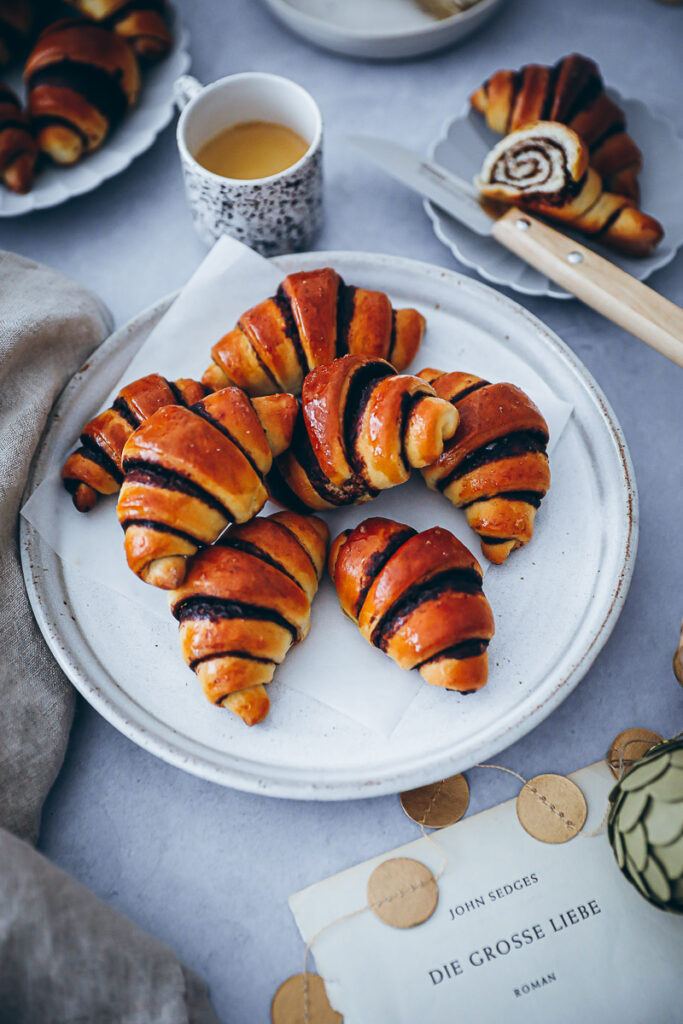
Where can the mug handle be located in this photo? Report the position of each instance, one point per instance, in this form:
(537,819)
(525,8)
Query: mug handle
(185,89)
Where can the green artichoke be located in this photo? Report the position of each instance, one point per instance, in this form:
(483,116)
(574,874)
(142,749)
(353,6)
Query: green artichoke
(645,825)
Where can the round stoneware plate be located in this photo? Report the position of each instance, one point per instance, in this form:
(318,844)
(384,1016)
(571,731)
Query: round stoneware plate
(555,601)
(379,29)
(136,133)
(465,141)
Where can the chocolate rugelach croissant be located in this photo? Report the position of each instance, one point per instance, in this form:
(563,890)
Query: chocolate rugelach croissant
(95,468)
(417,597)
(190,472)
(544,167)
(245,601)
(573,93)
(496,467)
(143,23)
(313,318)
(361,428)
(16,22)
(18,148)
(80,80)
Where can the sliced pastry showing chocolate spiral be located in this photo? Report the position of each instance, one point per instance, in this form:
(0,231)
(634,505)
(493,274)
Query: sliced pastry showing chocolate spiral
(545,168)
(361,428)
(143,23)
(314,318)
(191,472)
(418,597)
(81,79)
(95,468)
(18,148)
(17,18)
(244,603)
(496,466)
(573,93)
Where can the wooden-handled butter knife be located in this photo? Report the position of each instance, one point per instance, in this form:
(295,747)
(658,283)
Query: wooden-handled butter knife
(591,278)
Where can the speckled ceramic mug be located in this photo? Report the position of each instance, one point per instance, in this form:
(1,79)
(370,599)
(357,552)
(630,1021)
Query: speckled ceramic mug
(280,213)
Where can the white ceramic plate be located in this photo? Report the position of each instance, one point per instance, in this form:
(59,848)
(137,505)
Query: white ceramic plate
(136,133)
(556,601)
(380,29)
(465,141)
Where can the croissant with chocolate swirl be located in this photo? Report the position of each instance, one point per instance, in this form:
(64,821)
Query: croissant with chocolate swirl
(143,23)
(95,468)
(418,597)
(18,149)
(496,466)
(245,601)
(80,80)
(545,168)
(313,318)
(361,428)
(572,92)
(191,472)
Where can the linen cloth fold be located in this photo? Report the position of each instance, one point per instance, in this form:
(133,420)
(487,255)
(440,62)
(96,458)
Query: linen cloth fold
(64,955)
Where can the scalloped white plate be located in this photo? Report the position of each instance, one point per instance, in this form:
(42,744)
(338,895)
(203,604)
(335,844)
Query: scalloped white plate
(555,601)
(379,29)
(135,134)
(466,139)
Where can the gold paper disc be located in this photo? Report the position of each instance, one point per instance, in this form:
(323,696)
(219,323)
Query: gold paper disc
(289,1002)
(551,808)
(438,804)
(402,892)
(628,747)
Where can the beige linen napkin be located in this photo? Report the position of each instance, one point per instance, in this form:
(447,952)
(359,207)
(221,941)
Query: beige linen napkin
(64,955)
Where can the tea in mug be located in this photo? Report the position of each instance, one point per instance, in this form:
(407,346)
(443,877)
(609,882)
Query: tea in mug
(251,149)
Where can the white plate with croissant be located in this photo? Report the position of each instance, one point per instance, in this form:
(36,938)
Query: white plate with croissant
(635,153)
(96,95)
(342,717)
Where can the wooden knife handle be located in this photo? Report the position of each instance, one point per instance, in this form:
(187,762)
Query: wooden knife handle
(596,281)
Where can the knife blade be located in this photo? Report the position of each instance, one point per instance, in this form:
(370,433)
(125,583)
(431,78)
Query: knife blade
(447,190)
(590,277)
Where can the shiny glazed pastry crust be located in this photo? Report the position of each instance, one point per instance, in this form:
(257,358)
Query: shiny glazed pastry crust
(189,472)
(418,598)
(245,601)
(361,429)
(544,167)
(80,80)
(95,468)
(313,318)
(573,93)
(496,466)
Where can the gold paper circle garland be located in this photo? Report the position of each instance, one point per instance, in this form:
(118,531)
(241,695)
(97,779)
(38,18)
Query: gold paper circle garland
(402,892)
(551,808)
(303,1000)
(438,804)
(628,747)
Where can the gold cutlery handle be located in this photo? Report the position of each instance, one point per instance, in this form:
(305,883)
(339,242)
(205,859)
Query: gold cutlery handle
(597,282)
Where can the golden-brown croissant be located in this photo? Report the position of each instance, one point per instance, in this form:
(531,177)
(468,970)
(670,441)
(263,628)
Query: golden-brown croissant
(18,148)
(95,468)
(544,167)
(190,472)
(418,597)
(143,23)
(573,93)
(80,79)
(361,429)
(243,604)
(314,318)
(496,466)
(16,22)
